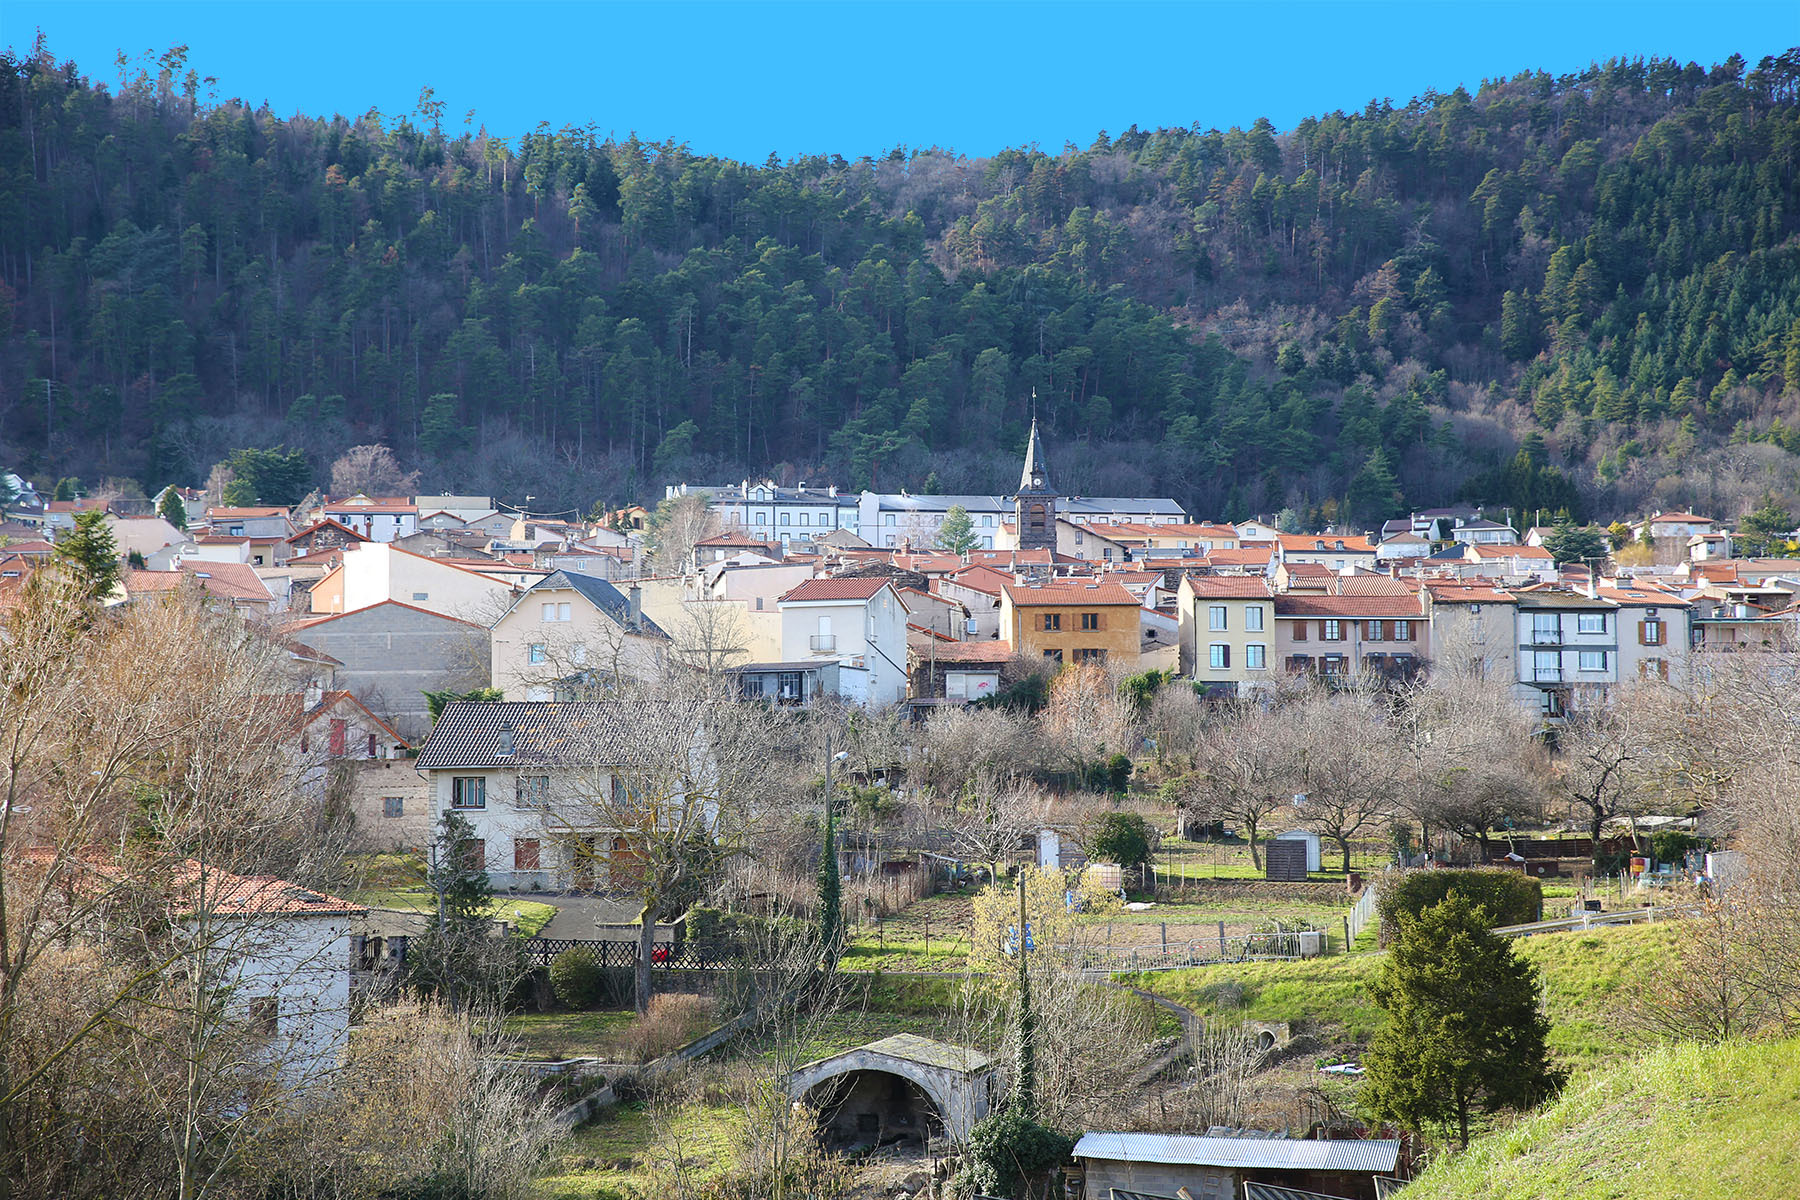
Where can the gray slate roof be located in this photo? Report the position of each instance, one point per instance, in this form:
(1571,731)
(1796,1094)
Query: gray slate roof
(602,595)
(1278,1154)
(545,733)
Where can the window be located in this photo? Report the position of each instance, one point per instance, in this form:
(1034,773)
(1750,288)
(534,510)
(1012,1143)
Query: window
(340,736)
(1215,617)
(1650,633)
(1403,631)
(421,595)
(987,522)
(785,519)
(393,806)
(1331,631)
(537,652)
(372,746)
(557,612)
(579,654)
(534,791)
(1054,656)
(1653,668)
(1546,629)
(1090,620)
(1052,622)
(1546,666)
(468,791)
(890,519)
(1591,622)
(1090,656)
(1372,630)
(265,1015)
(1218,656)
(1253,618)
(525,854)
(1256,657)
(1592,660)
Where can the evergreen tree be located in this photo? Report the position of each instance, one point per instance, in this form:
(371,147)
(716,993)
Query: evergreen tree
(171,509)
(957,533)
(91,553)
(1374,493)
(1764,532)
(1464,1034)
(457,958)
(831,898)
(1569,542)
(278,476)
(68,488)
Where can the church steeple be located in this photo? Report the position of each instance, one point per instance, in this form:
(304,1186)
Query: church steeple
(1036,475)
(1034,508)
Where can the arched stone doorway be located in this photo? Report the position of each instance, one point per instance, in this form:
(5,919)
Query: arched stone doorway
(872,1109)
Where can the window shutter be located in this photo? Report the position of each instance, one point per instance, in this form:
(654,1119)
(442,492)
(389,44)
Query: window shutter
(1299,631)
(1643,633)
(1227,650)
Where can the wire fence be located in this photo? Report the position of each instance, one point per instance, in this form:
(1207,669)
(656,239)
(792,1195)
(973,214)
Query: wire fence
(1360,915)
(1206,952)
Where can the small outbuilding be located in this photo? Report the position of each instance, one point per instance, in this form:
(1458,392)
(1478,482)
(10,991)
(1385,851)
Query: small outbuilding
(1217,1166)
(900,1090)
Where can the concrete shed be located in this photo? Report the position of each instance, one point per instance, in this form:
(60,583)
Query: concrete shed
(900,1089)
(1218,1165)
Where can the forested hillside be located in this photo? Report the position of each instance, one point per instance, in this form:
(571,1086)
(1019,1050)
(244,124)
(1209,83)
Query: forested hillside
(1580,291)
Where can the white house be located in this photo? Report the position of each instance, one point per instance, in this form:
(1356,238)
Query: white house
(374,572)
(380,519)
(534,780)
(282,953)
(859,622)
(1571,648)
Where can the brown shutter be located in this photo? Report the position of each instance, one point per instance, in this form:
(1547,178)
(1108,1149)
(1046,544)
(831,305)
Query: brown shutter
(1227,649)
(1299,631)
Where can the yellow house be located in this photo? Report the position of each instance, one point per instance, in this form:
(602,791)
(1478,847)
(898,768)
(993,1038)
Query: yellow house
(1071,621)
(1227,630)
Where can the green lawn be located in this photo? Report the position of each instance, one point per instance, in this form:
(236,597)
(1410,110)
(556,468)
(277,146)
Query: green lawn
(616,1153)
(1179,859)
(526,917)
(558,1035)
(1583,974)
(872,951)
(1698,1122)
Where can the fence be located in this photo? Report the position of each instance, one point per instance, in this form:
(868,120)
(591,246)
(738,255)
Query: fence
(689,956)
(1170,957)
(1361,913)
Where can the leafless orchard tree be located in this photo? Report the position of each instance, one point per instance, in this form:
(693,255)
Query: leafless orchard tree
(675,526)
(1342,768)
(1243,767)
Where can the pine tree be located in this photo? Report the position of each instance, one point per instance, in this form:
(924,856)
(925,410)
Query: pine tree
(1464,1033)
(91,553)
(171,509)
(957,533)
(457,958)
(831,896)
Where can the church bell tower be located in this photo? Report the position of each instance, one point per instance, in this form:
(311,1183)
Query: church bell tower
(1034,508)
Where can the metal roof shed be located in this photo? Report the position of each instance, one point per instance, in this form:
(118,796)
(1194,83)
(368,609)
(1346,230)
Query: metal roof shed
(1217,1167)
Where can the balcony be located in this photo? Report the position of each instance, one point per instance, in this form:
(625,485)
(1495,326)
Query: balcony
(1546,674)
(823,643)
(1546,637)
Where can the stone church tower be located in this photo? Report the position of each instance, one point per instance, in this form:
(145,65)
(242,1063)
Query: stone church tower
(1034,508)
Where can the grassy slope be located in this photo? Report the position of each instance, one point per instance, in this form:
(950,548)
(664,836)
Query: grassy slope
(1702,1123)
(1582,975)
(525,916)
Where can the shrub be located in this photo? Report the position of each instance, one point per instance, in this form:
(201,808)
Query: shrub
(578,979)
(1007,1148)
(1507,897)
(1121,837)
(1671,845)
(674,1020)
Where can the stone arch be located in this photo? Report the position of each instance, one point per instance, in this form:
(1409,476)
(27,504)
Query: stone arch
(959,1099)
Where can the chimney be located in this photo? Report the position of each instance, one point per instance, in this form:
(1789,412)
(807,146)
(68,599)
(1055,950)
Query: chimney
(833,491)
(635,613)
(1593,585)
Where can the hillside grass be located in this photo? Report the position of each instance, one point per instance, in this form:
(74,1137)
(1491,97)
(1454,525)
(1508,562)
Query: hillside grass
(1698,1122)
(620,1151)
(1583,977)
(526,917)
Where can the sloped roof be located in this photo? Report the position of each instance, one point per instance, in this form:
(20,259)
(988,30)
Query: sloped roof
(1066,593)
(545,733)
(601,594)
(1276,1154)
(1328,543)
(815,590)
(991,651)
(1035,462)
(1229,587)
(229,581)
(1347,607)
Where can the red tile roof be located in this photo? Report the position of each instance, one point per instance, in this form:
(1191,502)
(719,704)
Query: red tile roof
(1064,594)
(814,590)
(229,581)
(1327,543)
(1229,587)
(1347,607)
(991,651)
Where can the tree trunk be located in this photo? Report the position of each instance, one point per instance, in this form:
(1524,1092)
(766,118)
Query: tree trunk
(1344,845)
(1255,856)
(646,947)
(1462,1119)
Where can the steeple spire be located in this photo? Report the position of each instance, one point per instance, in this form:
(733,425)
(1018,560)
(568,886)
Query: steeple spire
(1036,475)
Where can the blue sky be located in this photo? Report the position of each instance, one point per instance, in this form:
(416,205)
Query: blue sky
(748,79)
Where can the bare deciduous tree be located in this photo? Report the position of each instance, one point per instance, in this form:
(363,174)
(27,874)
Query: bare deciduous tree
(371,471)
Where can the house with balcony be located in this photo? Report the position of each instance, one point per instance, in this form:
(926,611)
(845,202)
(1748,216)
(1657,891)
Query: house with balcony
(1568,648)
(1226,631)
(1334,635)
(858,623)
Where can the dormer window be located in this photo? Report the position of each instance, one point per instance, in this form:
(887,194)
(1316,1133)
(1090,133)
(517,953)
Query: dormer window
(506,741)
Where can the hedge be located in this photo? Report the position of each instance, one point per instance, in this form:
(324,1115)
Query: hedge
(1508,897)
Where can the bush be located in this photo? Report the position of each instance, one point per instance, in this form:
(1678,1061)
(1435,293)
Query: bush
(1121,837)
(1007,1148)
(1671,845)
(578,979)
(1507,897)
(674,1020)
